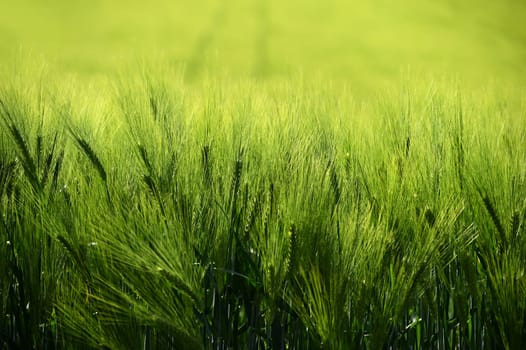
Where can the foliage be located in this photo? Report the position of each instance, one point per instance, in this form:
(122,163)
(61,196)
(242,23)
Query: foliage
(178,216)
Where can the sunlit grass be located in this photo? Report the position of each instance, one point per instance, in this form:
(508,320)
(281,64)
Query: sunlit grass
(262,175)
(249,217)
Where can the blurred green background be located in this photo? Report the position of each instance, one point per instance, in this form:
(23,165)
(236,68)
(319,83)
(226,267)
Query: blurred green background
(365,43)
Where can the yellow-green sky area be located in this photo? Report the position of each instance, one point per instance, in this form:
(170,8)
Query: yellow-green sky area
(365,42)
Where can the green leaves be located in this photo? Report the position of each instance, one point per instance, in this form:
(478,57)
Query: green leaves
(273,220)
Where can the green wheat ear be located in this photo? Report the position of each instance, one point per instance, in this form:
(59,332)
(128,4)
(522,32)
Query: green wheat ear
(28,163)
(95,161)
(291,261)
(145,158)
(206,165)
(488,204)
(85,147)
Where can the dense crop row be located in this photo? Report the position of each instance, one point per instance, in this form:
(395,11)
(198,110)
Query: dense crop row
(162,215)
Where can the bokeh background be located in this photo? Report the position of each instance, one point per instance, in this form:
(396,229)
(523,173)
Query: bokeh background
(365,43)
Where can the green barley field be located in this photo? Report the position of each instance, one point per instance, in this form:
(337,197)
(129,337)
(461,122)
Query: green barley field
(262,174)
